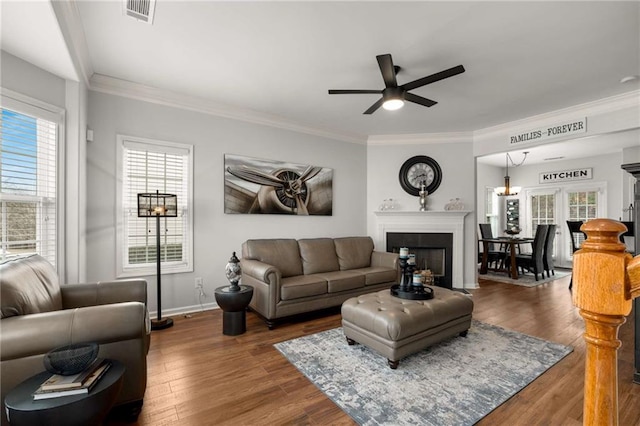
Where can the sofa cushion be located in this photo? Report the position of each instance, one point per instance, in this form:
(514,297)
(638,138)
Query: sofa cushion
(302,286)
(281,253)
(354,252)
(28,285)
(318,255)
(338,281)
(378,275)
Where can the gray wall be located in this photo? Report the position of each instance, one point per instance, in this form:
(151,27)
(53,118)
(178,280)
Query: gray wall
(29,80)
(216,234)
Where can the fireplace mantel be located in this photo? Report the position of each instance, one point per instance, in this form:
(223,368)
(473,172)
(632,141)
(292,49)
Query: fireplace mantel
(428,213)
(443,221)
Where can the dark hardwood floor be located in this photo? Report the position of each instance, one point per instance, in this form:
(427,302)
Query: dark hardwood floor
(197,376)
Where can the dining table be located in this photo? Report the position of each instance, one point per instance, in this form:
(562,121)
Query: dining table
(510,245)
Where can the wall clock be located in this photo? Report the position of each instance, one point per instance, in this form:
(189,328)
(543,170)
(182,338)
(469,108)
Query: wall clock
(417,169)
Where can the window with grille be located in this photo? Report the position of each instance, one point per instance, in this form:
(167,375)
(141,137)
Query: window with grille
(148,166)
(28,182)
(583,206)
(491,210)
(543,210)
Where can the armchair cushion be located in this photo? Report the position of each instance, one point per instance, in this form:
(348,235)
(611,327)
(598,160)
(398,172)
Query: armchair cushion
(29,286)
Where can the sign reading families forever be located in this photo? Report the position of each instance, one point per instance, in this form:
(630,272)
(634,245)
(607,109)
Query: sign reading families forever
(550,132)
(564,175)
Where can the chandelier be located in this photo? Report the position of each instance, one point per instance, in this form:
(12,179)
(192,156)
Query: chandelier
(507,189)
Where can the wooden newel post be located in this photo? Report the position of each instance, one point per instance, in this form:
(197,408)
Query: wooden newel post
(603,291)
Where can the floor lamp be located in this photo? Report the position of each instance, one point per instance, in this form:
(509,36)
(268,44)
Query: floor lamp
(158,205)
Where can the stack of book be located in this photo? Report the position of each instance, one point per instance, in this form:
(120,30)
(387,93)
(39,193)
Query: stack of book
(76,384)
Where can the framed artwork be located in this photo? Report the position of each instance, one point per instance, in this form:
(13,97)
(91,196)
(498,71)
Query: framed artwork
(259,186)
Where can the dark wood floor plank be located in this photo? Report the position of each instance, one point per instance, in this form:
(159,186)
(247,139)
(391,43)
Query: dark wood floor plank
(198,376)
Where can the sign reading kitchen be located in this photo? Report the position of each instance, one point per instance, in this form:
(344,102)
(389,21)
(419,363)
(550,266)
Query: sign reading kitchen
(549,132)
(564,175)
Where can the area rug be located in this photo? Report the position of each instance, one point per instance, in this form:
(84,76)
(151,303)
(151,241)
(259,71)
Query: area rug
(526,280)
(456,382)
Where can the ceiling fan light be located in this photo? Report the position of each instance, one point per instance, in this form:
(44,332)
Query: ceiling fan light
(393,104)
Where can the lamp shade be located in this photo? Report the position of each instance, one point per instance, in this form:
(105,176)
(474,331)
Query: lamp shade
(157,204)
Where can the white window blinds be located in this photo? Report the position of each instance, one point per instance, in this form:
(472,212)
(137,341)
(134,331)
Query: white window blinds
(28,158)
(147,167)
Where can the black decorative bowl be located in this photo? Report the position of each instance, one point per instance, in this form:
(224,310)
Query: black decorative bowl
(71,359)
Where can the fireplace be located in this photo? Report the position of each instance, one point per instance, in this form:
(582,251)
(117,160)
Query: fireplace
(433,251)
(435,224)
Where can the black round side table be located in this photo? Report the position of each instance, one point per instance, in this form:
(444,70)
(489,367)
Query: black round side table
(234,305)
(81,410)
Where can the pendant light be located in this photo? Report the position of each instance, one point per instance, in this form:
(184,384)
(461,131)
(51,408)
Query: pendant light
(507,189)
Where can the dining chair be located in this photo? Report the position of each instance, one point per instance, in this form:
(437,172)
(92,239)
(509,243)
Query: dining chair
(577,237)
(534,262)
(495,256)
(548,251)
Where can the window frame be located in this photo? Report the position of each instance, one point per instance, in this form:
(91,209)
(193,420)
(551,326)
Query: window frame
(127,271)
(27,105)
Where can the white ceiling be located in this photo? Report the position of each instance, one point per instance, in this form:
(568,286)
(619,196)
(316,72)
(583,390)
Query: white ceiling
(280,58)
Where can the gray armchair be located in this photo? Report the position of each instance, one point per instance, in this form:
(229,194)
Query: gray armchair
(39,315)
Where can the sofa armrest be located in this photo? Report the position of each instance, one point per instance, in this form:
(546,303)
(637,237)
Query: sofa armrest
(384,259)
(36,334)
(103,293)
(260,271)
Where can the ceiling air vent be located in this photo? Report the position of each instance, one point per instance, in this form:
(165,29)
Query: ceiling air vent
(141,10)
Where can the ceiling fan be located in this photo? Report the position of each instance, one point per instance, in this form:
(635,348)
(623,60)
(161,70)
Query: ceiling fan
(393,96)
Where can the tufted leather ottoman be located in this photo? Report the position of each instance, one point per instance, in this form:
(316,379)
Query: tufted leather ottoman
(397,327)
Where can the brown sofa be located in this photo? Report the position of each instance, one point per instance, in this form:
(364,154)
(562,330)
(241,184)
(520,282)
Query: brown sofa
(39,315)
(291,276)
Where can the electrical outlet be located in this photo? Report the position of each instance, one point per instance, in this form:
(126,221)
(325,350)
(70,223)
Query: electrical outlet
(199,282)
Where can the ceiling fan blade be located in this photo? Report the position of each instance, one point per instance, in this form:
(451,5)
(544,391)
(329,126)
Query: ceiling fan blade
(388,71)
(419,100)
(352,92)
(374,107)
(433,78)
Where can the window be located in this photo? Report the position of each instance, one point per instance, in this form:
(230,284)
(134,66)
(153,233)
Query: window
(543,210)
(150,166)
(491,211)
(29,199)
(583,205)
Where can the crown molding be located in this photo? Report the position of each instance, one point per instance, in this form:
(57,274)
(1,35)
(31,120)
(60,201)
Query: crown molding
(114,86)
(600,106)
(421,138)
(588,109)
(72,31)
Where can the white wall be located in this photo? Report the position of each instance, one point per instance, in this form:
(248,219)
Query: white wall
(216,234)
(458,181)
(606,168)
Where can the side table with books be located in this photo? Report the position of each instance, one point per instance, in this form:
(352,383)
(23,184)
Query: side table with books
(82,399)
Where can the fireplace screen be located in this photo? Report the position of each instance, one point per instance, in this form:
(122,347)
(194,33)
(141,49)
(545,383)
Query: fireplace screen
(433,251)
